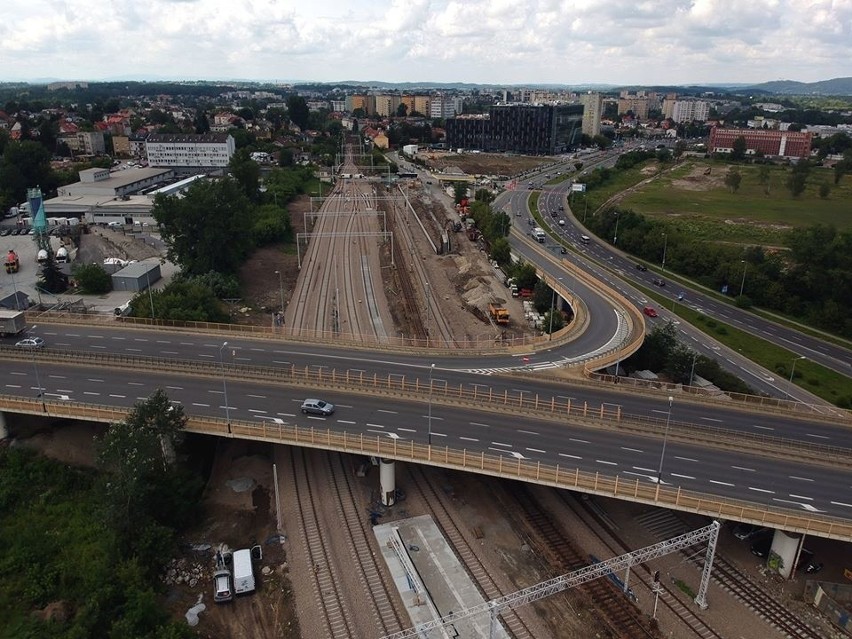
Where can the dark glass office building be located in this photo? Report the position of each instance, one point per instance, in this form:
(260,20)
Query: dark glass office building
(519,128)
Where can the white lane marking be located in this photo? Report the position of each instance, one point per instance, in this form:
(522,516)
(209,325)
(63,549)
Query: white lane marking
(608,463)
(90,393)
(391,412)
(528,432)
(468,439)
(632,450)
(647,470)
(800,478)
(375,425)
(748,470)
(57,376)
(437,419)
(135,384)
(682,476)
(163,341)
(579,441)
(840,503)
(378,432)
(762,490)
(317,417)
(64,390)
(175,387)
(763,427)
(278,361)
(134,350)
(258,396)
(501,444)
(480,424)
(201,405)
(18,373)
(140,339)
(570,456)
(801,497)
(169,352)
(816,436)
(345,421)
(118,396)
(721,483)
(686,459)
(92,379)
(414,430)
(97,346)
(287,414)
(711,419)
(256,410)
(13,386)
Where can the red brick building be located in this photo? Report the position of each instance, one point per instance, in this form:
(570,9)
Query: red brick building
(788,144)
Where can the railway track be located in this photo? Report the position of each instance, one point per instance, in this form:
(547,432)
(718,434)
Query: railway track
(435,501)
(728,577)
(331,603)
(614,611)
(365,560)
(617,546)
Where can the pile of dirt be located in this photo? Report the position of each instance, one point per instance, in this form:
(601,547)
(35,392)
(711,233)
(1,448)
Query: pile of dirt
(485,163)
(700,178)
(100,244)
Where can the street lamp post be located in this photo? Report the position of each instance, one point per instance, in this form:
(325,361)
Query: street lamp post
(742,284)
(615,235)
(39,390)
(792,372)
(665,245)
(552,309)
(665,439)
(225,385)
(150,295)
(429,418)
(692,372)
(280,289)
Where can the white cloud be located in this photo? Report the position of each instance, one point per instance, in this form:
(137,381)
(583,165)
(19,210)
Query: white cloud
(496,41)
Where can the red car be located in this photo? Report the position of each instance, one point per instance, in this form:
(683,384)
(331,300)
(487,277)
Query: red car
(649,311)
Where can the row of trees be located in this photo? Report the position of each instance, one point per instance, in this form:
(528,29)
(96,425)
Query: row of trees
(810,281)
(94,543)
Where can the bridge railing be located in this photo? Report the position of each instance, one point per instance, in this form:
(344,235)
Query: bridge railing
(634,489)
(415,388)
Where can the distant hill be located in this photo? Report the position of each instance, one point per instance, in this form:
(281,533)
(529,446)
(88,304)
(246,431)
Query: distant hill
(836,86)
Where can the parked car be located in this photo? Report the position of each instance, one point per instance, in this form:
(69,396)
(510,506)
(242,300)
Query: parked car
(641,267)
(659,282)
(222,590)
(650,311)
(5,232)
(761,548)
(807,563)
(30,342)
(748,531)
(317,407)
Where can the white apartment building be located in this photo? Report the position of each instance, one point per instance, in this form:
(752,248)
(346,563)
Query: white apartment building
(183,150)
(690,111)
(592,110)
(442,106)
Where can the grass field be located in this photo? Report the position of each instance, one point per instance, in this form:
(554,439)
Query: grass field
(707,208)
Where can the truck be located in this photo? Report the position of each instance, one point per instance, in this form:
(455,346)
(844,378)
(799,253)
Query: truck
(12,262)
(539,234)
(62,255)
(243,572)
(12,322)
(499,314)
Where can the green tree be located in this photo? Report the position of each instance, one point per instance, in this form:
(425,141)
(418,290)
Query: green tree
(247,173)
(553,321)
(738,151)
(483,195)
(51,278)
(402,110)
(733,179)
(24,165)
(92,279)
(205,230)
(501,252)
(798,178)
(298,111)
(763,178)
(285,158)
(200,122)
(146,495)
(459,191)
(542,296)
(525,275)
(824,190)
(180,301)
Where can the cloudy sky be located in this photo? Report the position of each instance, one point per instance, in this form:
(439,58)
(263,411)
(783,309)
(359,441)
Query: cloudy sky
(483,41)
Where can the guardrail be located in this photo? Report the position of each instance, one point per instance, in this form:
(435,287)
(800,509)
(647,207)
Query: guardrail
(524,405)
(473,461)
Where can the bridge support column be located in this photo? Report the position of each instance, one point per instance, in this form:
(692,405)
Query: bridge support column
(4,430)
(387,479)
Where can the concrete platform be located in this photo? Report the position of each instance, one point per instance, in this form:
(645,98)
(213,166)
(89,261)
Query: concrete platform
(430,579)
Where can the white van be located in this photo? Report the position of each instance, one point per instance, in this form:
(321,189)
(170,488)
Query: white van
(585,239)
(243,572)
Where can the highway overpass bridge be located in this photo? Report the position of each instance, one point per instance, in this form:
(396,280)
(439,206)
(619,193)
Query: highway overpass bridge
(532,435)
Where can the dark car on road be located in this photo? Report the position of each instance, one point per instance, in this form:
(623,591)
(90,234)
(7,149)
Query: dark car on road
(659,282)
(641,267)
(748,531)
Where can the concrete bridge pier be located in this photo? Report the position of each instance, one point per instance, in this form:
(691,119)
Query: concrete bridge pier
(4,430)
(387,479)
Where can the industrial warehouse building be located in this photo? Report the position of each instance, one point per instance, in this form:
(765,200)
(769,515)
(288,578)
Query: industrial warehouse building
(136,276)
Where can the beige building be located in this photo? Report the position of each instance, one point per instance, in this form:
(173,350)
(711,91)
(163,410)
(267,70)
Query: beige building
(592,110)
(121,145)
(386,105)
(636,103)
(422,104)
(365,102)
